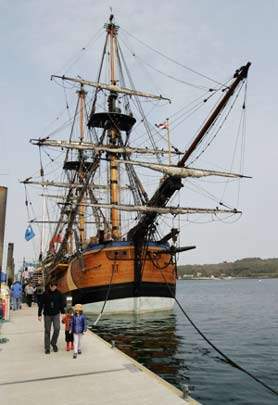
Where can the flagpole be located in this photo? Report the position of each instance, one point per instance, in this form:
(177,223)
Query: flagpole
(168,138)
(43,226)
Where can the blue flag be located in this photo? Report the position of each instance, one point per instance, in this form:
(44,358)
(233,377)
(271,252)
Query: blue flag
(29,233)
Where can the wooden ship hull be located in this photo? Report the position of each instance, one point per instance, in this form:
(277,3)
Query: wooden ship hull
(107,273)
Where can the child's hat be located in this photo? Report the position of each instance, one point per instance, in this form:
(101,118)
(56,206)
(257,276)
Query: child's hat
(78,307)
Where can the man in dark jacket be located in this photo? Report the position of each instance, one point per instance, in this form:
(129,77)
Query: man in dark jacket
(52,304)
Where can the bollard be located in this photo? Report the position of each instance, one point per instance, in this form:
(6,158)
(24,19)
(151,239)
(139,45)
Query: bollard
(113,344)
(186,389)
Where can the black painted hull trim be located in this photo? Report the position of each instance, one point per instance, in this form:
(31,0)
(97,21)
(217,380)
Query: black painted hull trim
(118,291)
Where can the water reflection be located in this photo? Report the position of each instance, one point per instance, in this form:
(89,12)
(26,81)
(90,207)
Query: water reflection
(151,339)
(241,326)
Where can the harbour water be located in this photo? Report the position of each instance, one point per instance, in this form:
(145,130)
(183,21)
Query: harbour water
(239,316)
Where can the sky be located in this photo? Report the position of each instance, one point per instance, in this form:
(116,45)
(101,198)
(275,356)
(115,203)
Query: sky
(215,37)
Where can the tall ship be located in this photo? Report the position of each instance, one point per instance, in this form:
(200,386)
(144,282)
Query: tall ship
(104,239)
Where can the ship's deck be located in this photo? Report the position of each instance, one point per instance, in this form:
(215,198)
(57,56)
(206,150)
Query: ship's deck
(101,375)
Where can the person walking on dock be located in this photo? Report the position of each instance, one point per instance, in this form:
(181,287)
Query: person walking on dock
(78,327)
(67,319)
(52,304)
(1,310)
(16,295)
(29,292)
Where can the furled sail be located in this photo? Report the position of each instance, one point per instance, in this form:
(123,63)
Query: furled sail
(98,148)
(166,210)
(182,171)
(112,87)
(50,183)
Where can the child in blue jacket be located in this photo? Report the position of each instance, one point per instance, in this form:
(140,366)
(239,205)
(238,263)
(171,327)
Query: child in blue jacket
(78,327)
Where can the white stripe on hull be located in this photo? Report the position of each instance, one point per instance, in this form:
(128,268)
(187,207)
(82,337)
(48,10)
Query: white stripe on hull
(137,305)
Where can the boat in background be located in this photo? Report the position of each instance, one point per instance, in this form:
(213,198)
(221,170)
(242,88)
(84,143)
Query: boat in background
(106,248)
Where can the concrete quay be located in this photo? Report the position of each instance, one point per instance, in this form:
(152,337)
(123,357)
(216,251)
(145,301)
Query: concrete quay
(101,375)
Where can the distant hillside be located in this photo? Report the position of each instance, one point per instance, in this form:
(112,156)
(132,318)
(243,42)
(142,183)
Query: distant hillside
(249,267)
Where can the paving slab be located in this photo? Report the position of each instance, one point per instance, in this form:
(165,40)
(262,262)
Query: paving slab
(101,375)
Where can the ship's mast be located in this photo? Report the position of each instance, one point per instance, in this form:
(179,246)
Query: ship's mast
(113,135)
(81,213)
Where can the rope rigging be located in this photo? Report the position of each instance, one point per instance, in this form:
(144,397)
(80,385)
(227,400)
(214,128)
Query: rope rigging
(75,58)
(107,294)
(241,132)
(139,106)
(199,87)
(172,60)
(209,142)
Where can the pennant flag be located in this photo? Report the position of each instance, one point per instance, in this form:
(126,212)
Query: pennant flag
(29,233)
(163,125)
(57,238)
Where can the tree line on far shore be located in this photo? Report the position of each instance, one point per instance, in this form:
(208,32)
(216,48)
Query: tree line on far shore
(248,267)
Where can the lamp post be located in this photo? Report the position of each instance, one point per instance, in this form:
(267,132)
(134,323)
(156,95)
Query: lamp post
(3,203)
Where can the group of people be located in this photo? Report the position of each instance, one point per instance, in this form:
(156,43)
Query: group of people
(27,292)
(52,305)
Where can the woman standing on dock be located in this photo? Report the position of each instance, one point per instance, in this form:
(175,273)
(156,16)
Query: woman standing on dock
(52,304)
